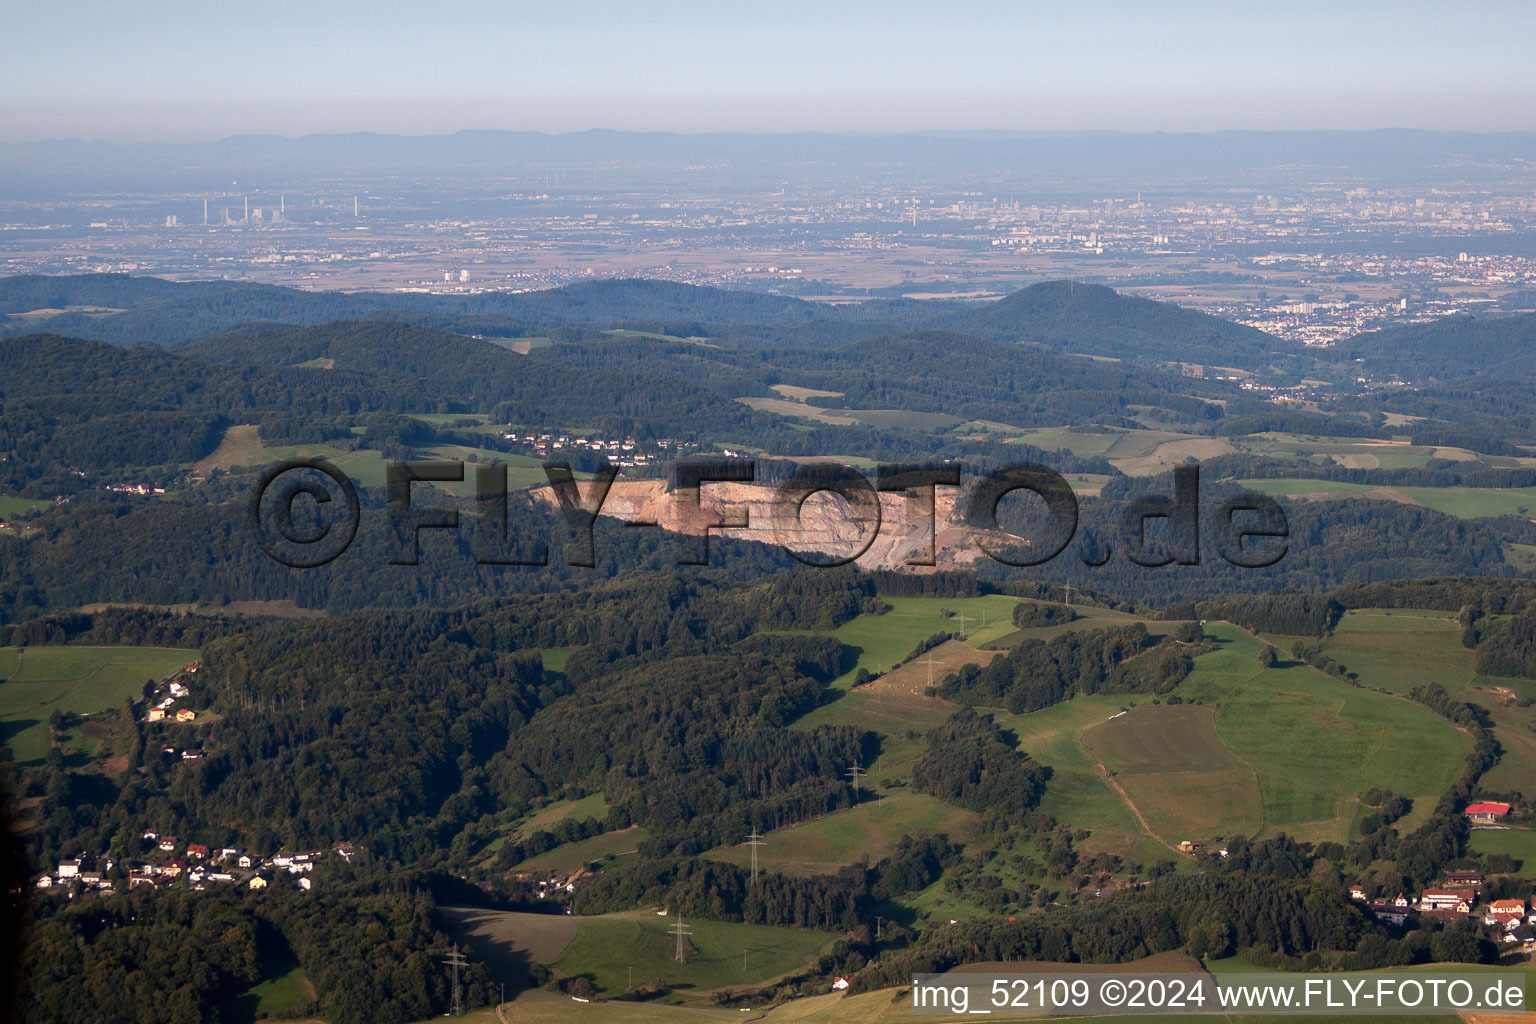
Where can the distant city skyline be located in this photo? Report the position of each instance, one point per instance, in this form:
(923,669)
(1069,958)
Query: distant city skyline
(188,72)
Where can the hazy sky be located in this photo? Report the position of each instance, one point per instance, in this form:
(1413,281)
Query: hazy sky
(176,70)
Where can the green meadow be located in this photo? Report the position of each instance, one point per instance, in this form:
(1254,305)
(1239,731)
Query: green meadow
(869,830)
(36,681)
(1316,742)
(1398,649)
(606,949)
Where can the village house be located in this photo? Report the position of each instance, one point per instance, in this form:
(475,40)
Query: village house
(167,843)
(1189,847)
(1357,892)
(186,715)
(156,715)
(68,868)
(1507,907)
(344,851)
(247,861)
(1458,900)
(197,850)
(1389,912)
(45,881)
(839,984)
(305,884)
(1507,922)
(1463,880)
(1485,813)
(258,882)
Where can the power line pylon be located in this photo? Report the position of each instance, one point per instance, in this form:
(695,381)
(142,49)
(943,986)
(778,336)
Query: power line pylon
(854,773)
(681,931)
(457,960)
(754,841)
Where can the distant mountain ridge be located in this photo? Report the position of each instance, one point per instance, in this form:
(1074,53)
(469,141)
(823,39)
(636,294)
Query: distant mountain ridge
(1058,316)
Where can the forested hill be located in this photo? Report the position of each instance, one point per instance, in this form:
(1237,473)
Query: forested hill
(1449,349)
(1058,315)
(1095,320)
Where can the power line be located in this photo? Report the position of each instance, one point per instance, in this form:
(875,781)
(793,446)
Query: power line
(854,774)
(457,960)
(682,933)
(754,840)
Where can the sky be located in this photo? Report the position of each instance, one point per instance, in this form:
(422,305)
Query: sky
(173,70)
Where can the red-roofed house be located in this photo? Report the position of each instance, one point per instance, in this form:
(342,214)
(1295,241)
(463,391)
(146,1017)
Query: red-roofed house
(1486,812)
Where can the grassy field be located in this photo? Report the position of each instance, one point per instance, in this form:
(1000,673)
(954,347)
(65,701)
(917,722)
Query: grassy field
(242,446)
(606,948)
(1075,796)
(593,806)
(522,470)
(571,857)
(1179,773)
(554,658)
(16,508)
(1292,486)
(36,681)
(1089,617)
(1512,726)
(508,942)
(1316,743)
(900,419)
(880,641)
(282,989)
(1519,843)
(868,830)
(661,337)
(1462,502)
(520,346)
(799,394)
(1399,649)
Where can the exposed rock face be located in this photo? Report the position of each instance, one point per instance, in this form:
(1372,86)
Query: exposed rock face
(826,525)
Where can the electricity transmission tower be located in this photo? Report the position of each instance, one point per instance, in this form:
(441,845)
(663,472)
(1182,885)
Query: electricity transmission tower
(961,617)
(457,960)
(754,840)
(854,774)
(929,662)
(682,933)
